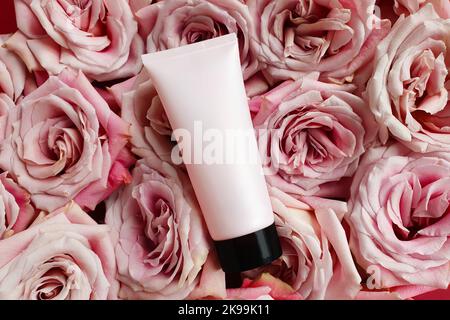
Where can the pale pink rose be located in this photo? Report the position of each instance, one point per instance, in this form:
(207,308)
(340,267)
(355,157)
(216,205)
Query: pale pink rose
(6,104)
(256,85)
(316,260)
(66,144)
(13,72)
(67,256)
(136,5)
(211,284)
(265,287)
(16,211)
(407,7)
(141,107)
(33,75)
(17,43)
(408,91)
(398,216)
(311,135)
(172,23)
(333,37)
(15,61)
(98,37)
(160,239)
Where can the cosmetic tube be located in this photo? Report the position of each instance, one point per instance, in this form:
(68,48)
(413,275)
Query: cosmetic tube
(202,92)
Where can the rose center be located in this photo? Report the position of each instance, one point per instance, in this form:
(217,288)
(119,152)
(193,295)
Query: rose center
(80,14)
(421,71)
(308,139)
(64,145)
(57,279)
(158,217)
(202,28)
(423,96)
(75,8)
(415,204)
(49,289)
(312,32)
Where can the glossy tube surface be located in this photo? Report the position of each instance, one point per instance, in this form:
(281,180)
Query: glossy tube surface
(202,90)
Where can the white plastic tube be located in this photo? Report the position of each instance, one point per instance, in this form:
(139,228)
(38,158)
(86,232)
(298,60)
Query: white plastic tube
(201,86)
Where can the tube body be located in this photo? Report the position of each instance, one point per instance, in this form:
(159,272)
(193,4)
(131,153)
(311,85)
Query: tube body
(202,85)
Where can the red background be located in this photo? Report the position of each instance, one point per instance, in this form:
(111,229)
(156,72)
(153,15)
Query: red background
(7,17)
(8,25)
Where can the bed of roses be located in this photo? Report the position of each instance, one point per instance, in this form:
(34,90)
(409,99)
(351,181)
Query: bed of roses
(355,92)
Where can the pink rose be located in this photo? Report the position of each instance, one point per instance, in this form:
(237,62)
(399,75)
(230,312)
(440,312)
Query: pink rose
(141,107)
(16,212)
(265,287)
(136,5)
(15,61)
(160,240)
(13,72)
(66,256)
(6,104)
(256,85)
(172,23)
(22,72)
(98,37)
(408,7)
(211,283)
(297,37)
(399,217)
(66,144)
(316,260)
(311,135)
(408,91)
